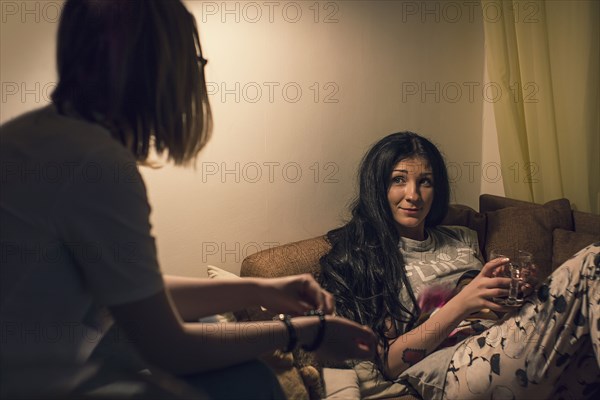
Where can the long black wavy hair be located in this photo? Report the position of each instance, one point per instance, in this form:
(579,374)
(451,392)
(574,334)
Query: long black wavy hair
(365,269)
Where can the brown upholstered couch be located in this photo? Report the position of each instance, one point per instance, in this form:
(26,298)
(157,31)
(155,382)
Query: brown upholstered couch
(552,232)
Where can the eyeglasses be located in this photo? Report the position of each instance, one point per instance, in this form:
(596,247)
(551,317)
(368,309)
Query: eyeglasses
(203,61)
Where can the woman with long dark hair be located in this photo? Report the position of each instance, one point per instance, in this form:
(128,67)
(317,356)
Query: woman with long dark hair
(362,266)
(425,292)
(77,251)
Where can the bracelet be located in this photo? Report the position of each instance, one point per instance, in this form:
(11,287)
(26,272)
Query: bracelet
(292,336)
(320,333)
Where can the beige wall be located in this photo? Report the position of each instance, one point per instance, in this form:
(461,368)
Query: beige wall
(299,92)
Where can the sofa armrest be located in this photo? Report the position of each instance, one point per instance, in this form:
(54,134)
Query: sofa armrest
(285,260)
(288,259)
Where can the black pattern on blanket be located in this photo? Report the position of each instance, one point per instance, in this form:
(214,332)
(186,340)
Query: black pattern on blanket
(548,349)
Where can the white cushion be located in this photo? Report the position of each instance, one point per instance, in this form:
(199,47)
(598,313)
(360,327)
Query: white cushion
(219,273)
(341,383)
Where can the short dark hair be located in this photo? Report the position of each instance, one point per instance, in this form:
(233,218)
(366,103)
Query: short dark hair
(133,66)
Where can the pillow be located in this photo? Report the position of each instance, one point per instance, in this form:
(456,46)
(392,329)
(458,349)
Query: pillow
(290,378)
(490,202)
(341,384)
(218,273)
(529,228)
(567,243)
(375,386)
(462,215)
(586,222)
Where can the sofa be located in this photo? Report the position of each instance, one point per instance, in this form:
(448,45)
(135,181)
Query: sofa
(552,232)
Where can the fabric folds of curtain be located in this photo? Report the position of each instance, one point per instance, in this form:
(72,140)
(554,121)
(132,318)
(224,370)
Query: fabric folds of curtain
(543,63)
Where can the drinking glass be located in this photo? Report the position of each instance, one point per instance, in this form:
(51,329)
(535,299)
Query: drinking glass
(518,270)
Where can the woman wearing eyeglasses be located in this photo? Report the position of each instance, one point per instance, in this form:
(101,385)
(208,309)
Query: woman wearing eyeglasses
(77,252)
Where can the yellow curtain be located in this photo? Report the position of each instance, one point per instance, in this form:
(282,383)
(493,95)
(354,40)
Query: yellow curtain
(543,63)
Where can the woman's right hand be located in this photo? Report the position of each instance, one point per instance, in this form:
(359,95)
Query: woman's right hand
(294,295)
(478,294)
(343,340)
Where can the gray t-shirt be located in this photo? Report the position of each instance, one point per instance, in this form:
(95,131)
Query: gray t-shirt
(448,253)
(75,238)
(441,259)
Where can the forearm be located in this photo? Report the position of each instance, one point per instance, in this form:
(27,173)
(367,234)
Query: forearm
(416,344)
(475,296)
(165,341)
(157,331)
(195,297)
(204,347)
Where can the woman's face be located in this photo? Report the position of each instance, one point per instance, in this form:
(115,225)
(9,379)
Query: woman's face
(410,196)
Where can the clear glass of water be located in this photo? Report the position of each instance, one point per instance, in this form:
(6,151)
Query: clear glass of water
(518,269)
